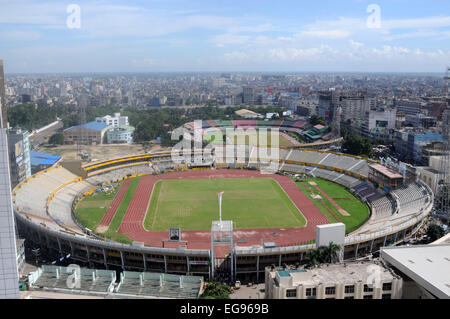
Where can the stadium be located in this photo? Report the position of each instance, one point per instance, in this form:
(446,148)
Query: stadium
(158,212)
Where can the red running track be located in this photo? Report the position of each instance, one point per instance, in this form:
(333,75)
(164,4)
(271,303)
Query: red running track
(106,220)
(133,221)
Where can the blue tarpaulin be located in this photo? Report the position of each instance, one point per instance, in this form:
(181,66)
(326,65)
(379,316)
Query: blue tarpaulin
(39,158)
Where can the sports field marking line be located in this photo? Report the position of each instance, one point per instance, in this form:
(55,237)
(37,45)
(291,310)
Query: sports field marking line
(299,210)
(287,206)
(157,202)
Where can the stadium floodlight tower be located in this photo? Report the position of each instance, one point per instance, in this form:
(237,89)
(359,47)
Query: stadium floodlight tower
(222,233)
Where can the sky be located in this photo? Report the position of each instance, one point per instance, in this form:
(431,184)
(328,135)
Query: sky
(225,36)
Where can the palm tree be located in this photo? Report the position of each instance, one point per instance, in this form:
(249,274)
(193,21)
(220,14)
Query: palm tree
(310,259)
(323,254)
(332,252)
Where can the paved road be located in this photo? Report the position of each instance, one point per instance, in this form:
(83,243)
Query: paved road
(254,292)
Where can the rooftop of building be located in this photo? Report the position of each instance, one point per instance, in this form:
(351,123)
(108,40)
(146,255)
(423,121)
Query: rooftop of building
(244,111)
(385,171)
(94,125)
(40,158)
(122,127)
(428,265)
(333,274)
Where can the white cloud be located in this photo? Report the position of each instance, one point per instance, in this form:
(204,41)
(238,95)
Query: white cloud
(356,44)
(235,56)
(326,34)
(222,40)
(417,23)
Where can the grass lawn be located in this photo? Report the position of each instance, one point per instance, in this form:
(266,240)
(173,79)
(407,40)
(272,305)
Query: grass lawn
(193,205)
(91,210)
(359,212)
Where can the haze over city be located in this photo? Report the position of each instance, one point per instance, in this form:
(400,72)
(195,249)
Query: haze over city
(199,36)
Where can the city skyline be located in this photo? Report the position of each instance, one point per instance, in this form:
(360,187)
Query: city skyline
(200,36)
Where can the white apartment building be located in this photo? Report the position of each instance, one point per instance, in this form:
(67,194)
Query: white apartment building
(116,120)
(353,280)
(379,123)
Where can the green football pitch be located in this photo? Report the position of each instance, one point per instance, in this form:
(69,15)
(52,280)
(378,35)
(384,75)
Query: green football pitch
(192,204)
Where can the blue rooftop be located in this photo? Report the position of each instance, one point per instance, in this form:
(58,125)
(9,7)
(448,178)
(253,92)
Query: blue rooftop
(39,158)
(95,126)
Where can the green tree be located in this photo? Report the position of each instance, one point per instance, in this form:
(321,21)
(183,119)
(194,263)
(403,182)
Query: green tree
(435,232)
(357,145)
(316,119)
(215,290)
(333,253)
(56,139)
(323,254)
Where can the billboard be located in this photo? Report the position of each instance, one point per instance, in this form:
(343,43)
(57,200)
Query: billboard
(175,234)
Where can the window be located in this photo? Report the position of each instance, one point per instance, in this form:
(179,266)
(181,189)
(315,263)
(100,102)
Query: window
(387,286)
(291,293)
(367,288)
(368,297)
(386,296)
(330,290)
(310,292)
(349,297)
(350,289)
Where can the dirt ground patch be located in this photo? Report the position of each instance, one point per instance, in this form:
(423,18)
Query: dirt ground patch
(101,229)
(100,152)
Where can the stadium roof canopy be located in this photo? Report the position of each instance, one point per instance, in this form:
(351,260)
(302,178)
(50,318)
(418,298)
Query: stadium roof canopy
(39,158)
(427,265)
(159,285)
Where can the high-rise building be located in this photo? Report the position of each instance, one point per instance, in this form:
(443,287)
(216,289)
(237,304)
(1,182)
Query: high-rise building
(3,97)
(9,275)
(408,107)
(248,96)
(354,107)
(325,107)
